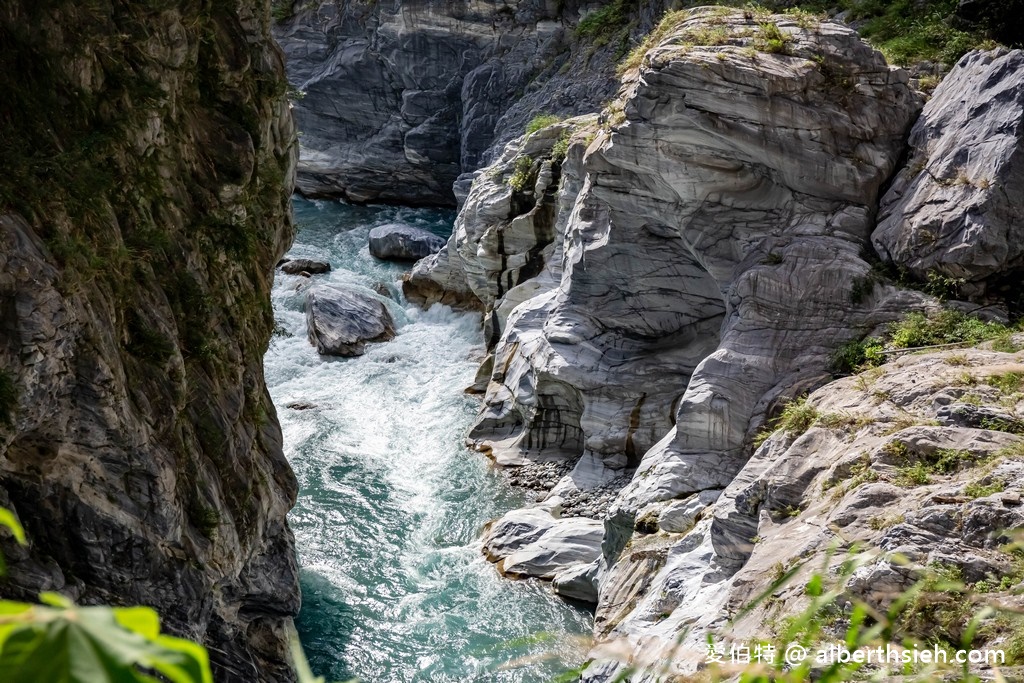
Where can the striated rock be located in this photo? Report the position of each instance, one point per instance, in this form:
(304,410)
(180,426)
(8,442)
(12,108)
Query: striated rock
(953,210)
(341,321)
(507,233)
(434,90)
(515,530)
(578,582)
(305,265)
(802,494)
(534,542)
(142,452)
(707,240)
(679,516)
(403,242)
(568,542)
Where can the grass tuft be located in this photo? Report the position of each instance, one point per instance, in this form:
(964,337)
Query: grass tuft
(541,121)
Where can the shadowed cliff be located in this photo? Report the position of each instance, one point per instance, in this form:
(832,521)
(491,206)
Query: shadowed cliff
(148,161)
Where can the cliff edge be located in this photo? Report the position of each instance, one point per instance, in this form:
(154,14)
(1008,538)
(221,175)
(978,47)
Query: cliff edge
(148,158)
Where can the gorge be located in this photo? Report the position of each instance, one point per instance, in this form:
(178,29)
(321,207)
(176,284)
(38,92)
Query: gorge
(725,319)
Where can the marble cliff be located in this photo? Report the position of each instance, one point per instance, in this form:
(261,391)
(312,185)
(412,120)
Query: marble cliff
(658,280)
(402,99)
(148,155)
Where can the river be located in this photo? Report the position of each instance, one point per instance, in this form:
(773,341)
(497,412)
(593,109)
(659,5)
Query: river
(391,504)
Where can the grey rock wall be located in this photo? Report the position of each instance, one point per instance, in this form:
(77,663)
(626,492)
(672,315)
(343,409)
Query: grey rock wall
(403,97)
(954,210)
(711,232)
(148,164)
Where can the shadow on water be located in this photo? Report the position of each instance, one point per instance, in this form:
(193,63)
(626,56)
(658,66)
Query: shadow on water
(325,649)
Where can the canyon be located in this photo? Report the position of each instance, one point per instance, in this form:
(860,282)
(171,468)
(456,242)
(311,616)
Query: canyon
(671,226)
(662,273)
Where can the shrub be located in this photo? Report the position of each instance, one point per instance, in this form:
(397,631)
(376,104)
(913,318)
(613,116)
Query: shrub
(561,147)
(522,174)
(541,121)
(913,475)
(1007,383)
(863,287)
(979,489)
(282,9)
(771,39)
(1005,344)
(797,417)
(943,287)
(604,21)
(856,355)
(944,327)
(668,22)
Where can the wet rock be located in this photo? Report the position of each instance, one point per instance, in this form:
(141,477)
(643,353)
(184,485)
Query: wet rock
(305,266)
(341,321)
(396,242)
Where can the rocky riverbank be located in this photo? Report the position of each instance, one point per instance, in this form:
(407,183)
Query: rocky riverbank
(659,282)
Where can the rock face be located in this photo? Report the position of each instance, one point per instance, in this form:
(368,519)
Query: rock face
(148,161)
(953,210)
(809,497)
(403,242)
(658,282)
(431,90)
(507,232)
(342,321)
(671,291)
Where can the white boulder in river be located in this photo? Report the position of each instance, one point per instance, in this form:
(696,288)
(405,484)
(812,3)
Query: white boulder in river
(534,542)
(397,242)
(341,321)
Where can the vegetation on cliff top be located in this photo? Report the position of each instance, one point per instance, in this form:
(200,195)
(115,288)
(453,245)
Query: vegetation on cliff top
(905,31)
(920,329)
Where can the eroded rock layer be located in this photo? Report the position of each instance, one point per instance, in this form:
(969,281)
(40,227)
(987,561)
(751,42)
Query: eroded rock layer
(401,97)
(698,260)
(657,282)
(148,158)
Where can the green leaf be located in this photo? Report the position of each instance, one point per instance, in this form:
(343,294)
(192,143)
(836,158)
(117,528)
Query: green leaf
(182,660)
(55,600)
(142,620)
(8,520)
(68,644)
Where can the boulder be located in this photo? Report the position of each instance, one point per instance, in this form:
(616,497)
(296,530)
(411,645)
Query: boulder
(536,542)
(570,541)
(516,530)
(578,582)
(341,321)
(954,208)
(305,265)
(397,242)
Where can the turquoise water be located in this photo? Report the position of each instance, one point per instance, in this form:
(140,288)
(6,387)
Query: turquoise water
(391,504)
